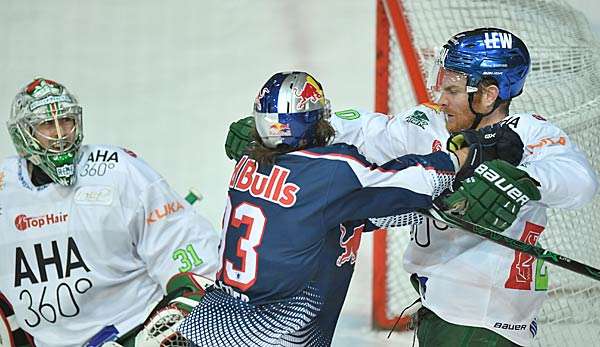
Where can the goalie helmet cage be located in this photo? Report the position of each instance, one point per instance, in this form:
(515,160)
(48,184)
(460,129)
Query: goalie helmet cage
(563,86)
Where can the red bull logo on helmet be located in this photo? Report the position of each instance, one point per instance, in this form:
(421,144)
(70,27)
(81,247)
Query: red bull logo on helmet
(350,245)
(311,92)
(280,129)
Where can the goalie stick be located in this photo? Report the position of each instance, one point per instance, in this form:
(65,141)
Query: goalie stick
(536,251)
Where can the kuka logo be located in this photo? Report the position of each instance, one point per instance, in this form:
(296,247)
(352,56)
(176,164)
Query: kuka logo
(161,213)
(22,222)
(350,245)
(547,142)
(273,187)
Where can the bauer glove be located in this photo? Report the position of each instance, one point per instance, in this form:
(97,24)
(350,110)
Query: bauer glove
(239,137)
(493,197)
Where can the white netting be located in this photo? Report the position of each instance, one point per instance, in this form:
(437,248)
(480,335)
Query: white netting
(563,86)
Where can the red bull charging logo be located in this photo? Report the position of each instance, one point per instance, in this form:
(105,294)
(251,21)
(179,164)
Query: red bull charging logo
(310,92)
(280,129)
(350,245)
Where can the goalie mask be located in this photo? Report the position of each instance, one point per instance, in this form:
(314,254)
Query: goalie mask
(46,128)
(287,109)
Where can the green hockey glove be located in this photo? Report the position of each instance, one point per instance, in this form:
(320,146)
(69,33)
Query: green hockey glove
(493,196)
(239,137)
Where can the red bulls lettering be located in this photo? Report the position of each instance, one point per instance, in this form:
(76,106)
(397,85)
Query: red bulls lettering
(273,187)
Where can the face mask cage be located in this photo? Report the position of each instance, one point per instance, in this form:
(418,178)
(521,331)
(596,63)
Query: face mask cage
(51,133)
(441,80)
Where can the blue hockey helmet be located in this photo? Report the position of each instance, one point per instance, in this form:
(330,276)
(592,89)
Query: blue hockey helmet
(492,52)
(287,109)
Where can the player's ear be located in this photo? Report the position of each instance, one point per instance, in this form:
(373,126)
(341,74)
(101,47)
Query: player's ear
(485,97)
(489,95)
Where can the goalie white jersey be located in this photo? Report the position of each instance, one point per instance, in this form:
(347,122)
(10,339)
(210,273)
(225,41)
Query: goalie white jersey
(74,260)
(465,279)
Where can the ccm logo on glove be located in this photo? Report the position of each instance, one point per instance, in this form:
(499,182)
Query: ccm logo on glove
(500,182)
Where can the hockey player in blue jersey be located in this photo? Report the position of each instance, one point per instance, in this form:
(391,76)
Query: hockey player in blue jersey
(276,285)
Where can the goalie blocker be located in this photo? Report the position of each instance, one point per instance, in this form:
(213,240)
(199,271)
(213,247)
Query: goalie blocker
(184,292)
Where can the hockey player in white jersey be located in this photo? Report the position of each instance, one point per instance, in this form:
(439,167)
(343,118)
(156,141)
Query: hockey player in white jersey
(473,291)
(91,235)
(501,290)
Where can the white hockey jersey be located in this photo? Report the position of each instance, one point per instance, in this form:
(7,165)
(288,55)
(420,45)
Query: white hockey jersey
(74,260)
(465,279)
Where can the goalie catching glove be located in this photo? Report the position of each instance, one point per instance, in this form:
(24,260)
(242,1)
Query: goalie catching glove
(492,197)
(239,137)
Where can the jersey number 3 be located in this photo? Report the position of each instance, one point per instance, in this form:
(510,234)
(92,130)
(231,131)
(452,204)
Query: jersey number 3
(253,218)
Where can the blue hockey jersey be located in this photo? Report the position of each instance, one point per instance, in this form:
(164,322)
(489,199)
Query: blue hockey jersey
(282,240)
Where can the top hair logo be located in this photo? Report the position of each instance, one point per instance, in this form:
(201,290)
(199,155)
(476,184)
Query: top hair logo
(23,222)
(497,40)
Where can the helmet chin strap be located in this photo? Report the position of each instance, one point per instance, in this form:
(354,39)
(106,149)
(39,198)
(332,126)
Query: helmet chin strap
(479,116)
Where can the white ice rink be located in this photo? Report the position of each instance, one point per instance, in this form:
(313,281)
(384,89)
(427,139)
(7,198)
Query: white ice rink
(165,79)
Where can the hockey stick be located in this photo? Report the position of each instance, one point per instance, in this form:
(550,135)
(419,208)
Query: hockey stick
(517,245)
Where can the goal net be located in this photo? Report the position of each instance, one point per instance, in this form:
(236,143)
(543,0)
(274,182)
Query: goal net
(563,86)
